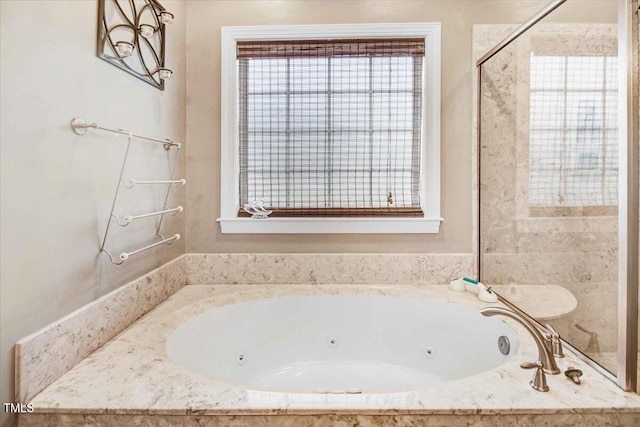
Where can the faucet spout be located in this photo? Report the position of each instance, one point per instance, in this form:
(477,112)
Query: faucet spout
(545,356)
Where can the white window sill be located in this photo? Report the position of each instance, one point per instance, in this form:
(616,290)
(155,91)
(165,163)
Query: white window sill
(330,225)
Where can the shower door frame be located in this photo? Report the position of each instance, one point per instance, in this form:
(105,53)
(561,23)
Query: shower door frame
(628,187)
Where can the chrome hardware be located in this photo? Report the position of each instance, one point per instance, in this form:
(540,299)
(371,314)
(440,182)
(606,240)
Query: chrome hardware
(539,380)
(552,340)
(556,343)
(573,374)
(504,345)
(545,355)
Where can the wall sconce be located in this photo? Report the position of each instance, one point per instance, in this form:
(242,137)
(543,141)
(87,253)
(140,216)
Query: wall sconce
(131,36)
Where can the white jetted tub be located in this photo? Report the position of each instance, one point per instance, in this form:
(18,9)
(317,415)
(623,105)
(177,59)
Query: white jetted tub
(341,344)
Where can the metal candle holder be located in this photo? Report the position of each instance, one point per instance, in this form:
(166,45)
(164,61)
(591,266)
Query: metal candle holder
(131,36)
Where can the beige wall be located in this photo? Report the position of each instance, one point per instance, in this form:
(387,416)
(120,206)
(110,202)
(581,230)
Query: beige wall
(203,115)
(57,187)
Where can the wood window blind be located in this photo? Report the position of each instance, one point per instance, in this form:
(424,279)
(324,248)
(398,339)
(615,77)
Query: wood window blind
(331,127)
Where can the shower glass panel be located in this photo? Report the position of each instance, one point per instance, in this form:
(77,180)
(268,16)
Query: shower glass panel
(548,205)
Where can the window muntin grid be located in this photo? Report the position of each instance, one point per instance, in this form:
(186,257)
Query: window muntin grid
(331,135)
(573,147)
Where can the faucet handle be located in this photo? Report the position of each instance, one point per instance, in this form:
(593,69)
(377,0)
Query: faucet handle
(573,374)
(531,365)
(553,332)
(556,344)
(539,380)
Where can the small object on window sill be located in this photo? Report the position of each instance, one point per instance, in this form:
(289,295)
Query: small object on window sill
(257,210)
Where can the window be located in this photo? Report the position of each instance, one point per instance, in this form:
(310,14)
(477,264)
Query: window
(573,125)
(334,128)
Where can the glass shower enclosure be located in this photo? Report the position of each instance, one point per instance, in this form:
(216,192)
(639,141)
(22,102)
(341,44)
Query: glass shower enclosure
(557,171)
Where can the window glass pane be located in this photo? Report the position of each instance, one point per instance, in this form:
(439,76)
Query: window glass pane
(350,74)
(612,72)
(350,111)
(309,74)
(585,72)
(546,110)
(266,113)
(611,110)
(331,132)
(267,76)
(547,72)
(584,110)
(392,111)
(308,112)
(573,147)
(392,74)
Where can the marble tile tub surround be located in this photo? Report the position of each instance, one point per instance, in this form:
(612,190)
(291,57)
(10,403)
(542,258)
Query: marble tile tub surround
(428,269)
(44,356)
(430,420)
(146,388)
(47,354)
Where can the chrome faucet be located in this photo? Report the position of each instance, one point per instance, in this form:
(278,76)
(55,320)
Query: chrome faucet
(546,361)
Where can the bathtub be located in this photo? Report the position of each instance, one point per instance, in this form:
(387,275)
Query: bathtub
(340,344)
(179,364)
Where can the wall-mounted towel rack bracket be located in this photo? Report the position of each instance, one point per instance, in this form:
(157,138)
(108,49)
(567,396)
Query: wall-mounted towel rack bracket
(80,127)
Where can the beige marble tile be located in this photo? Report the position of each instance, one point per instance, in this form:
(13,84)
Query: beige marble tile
(557,268)
(46,355)
(329,420)
(327,268)
(132,379)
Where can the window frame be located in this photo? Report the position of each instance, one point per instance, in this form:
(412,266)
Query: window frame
(430,144)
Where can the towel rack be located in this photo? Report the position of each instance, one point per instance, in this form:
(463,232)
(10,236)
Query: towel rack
(80,127)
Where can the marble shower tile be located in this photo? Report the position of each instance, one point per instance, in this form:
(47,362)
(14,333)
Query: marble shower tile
(550,268)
